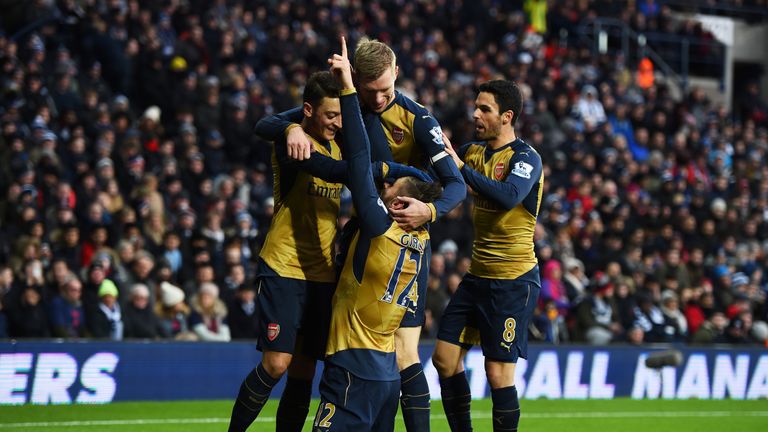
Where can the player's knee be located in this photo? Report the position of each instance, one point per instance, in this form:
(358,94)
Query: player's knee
(444,365)
(407,346)
(500,377)
(276,363)
(406,355)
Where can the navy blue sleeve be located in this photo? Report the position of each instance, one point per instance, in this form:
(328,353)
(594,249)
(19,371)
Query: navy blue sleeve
(429,136)
(524,173)
(273,127)
(336,171)
(397,170)
(373,215)
(324,167)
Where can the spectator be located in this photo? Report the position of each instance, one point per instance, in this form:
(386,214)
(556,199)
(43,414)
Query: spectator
(552,287)
(140,321)
(173,312)
(242,318)
(208,319)
(66,313)
(596,317)
(235,280)
(590,109)
(105,320)
(574,279)
(448,249)
(28,317)
(649,317)
(673,316)
(548,324)
(635,335)
(437,300)
(712,331)
(739,331)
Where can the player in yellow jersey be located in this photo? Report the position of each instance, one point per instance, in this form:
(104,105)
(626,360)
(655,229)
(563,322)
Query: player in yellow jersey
(399,129)
(495,300)
(295,267)
(360,386)
(296,272)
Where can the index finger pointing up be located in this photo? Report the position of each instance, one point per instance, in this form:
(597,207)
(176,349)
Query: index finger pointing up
(343,47)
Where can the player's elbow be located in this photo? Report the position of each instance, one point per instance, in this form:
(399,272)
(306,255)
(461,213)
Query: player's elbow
(509,204)
(261,128)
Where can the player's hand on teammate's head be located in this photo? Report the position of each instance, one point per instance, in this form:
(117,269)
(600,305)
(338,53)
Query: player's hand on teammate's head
(341,67)
(298,143)
(397,204)
(411,213)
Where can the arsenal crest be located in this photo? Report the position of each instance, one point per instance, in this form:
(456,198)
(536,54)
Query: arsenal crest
(498,170)
(272,331)
(398,134)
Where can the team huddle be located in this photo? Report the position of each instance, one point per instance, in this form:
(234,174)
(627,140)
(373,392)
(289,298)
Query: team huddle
(361,311)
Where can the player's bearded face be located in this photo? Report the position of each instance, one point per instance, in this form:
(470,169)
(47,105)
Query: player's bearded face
(378,93)
(487,117)
(326,119)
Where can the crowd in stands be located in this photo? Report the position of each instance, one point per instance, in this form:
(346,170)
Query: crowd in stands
(135,195)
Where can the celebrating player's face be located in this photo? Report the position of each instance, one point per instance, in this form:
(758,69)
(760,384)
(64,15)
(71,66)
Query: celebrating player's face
(390,193)
(377,94)
(487,117)
(326,119)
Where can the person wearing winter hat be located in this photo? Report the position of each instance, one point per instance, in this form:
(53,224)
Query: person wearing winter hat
(173,312)
(106,320)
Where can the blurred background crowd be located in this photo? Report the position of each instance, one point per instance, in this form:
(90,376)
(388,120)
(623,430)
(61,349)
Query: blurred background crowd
(135,196)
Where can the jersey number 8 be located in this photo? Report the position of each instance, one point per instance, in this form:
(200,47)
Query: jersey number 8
(509,330)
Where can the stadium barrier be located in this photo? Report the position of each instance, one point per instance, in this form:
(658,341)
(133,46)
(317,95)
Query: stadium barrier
(103,372)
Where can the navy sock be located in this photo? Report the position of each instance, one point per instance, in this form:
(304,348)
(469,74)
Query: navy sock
(506,409)
(456,402)
(414,398)
(294,405)
(254,392)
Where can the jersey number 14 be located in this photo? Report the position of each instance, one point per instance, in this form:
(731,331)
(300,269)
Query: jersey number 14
(409,297)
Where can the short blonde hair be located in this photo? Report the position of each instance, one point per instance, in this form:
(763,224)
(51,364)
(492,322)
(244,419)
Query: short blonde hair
(372,58)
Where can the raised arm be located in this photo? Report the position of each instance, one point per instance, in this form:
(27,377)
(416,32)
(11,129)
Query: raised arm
(373,216)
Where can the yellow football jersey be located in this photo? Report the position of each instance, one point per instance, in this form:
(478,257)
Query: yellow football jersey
(299,244)
(367,311)
(503,246)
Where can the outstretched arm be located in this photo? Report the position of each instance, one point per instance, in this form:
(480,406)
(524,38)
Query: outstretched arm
(274,127)
(525,171)
(336,171)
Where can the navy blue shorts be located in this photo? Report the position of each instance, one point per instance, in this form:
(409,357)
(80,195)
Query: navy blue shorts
(348,403)
(291,311)
(412,318)
(493,313)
